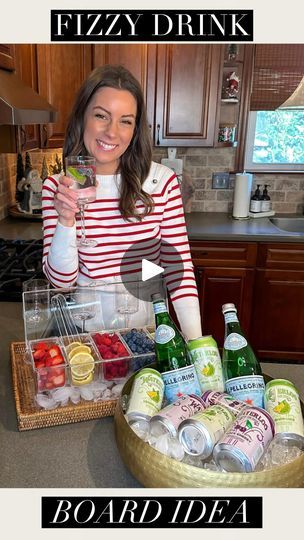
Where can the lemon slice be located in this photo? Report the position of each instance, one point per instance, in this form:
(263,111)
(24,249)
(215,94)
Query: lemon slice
(72,346)
(79,382)
(82,364)
(80,178)
(79,349)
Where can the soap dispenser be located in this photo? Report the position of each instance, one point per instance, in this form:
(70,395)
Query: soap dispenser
(256,200)
(266,203)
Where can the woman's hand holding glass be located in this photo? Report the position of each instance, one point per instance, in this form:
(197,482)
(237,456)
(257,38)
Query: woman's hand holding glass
(65,202)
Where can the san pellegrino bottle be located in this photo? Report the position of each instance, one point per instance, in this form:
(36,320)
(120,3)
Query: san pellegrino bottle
(242,371)
(172,358)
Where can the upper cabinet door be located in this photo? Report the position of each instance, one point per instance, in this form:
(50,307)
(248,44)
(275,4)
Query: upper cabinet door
(187,94)
(7,57)
(139,59)
(61,71)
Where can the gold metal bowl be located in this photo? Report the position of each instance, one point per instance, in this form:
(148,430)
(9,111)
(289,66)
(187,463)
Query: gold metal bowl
(155,470)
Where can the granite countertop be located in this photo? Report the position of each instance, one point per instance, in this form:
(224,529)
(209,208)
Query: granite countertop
(200,226)
(85,455)
(221,226)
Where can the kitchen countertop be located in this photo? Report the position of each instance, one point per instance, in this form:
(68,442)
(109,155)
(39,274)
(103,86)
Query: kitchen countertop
(81,455)
(221,226)
(200,226)
(84,455)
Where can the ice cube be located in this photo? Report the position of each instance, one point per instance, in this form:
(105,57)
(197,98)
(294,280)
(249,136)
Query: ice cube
(141,428)
(175,448)
(46,402)
(86,392)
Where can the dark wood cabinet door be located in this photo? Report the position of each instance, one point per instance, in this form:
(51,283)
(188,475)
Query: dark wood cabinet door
(187,94)
(7,57)
(26,69)
(218,286)
(139,59)
(277,326)
(61,71)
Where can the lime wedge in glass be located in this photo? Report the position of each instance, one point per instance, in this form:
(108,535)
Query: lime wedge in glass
(80,178)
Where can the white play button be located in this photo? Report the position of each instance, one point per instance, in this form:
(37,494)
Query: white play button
(149,270)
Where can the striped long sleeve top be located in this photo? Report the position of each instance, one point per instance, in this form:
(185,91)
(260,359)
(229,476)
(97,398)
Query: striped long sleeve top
(122,244)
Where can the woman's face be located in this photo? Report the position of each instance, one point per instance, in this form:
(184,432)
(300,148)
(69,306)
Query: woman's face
(109,124)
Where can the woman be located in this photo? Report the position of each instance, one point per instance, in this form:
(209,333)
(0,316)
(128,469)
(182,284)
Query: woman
(138,206)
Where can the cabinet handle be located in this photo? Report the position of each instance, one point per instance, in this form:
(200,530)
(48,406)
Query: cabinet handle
(158,128)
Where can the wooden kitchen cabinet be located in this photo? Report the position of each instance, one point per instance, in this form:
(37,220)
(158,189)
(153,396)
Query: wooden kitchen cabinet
(26,69)
(224,273)
(186,94)
(139,59)
(277,323)
(7,56)
(61,71)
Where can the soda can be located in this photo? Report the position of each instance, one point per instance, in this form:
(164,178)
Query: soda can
(200,433)
(169,418)
(243,445)
(207,362)
(221,398)
(283,404)
(146,395)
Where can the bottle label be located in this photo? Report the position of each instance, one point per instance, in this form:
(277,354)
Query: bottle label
(255,206)
(159,307)
(234,342)
(250,389)
(265,206)
(180,381)
(164,334)
(230,316)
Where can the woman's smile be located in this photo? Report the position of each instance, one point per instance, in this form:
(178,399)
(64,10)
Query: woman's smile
(109,127)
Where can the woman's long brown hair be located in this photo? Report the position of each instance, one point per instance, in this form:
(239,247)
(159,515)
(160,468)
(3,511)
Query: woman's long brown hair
(135,163)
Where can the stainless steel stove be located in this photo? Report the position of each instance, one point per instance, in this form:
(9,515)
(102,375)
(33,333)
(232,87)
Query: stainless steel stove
(20,260)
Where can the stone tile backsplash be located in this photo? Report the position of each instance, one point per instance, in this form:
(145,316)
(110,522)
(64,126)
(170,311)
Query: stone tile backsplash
(286,191)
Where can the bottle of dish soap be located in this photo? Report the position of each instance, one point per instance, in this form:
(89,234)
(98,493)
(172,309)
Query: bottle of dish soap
(256,200)
(266,203)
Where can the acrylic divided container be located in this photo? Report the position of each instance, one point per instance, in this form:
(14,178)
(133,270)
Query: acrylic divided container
(114,353)
(49,364)
(82,358)
(142,347)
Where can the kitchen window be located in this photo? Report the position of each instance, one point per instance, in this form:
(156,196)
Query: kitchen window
(275,141)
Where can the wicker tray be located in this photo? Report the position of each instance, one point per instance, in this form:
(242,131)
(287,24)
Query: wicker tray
(155,470)
(30,416)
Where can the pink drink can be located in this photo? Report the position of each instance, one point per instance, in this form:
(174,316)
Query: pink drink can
(212,397)
(244,443)
(169,418)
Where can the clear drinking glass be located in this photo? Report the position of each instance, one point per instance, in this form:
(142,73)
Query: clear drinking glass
(82,169)
(83,307)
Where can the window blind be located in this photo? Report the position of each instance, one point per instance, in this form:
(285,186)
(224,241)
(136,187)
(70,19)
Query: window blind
(278,70)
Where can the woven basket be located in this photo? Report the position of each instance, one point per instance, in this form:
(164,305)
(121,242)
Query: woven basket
(155,470)
(30,416)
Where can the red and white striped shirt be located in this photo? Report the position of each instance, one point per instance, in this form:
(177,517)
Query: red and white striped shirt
(152,238)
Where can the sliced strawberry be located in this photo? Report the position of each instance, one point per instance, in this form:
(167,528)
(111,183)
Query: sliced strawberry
(41,345)
(56,360)
(54,350)
(49,385)
(39,364)
(39,354)
(59,380)
(58,371)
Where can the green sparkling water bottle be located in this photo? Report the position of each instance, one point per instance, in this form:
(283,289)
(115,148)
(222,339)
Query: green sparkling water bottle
(173,361)
(242,371)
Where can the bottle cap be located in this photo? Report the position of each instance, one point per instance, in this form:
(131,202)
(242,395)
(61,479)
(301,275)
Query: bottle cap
(228,307)
(156,296)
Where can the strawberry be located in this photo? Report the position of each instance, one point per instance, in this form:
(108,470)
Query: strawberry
(56,360)
(41,345)
(59,380)
(39,354)
(39,364)
(54,350)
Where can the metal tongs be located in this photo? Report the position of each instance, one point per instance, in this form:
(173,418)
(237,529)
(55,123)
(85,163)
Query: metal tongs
(64,320)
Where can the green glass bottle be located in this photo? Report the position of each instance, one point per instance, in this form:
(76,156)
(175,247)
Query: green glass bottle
(242,371)
(172,357)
